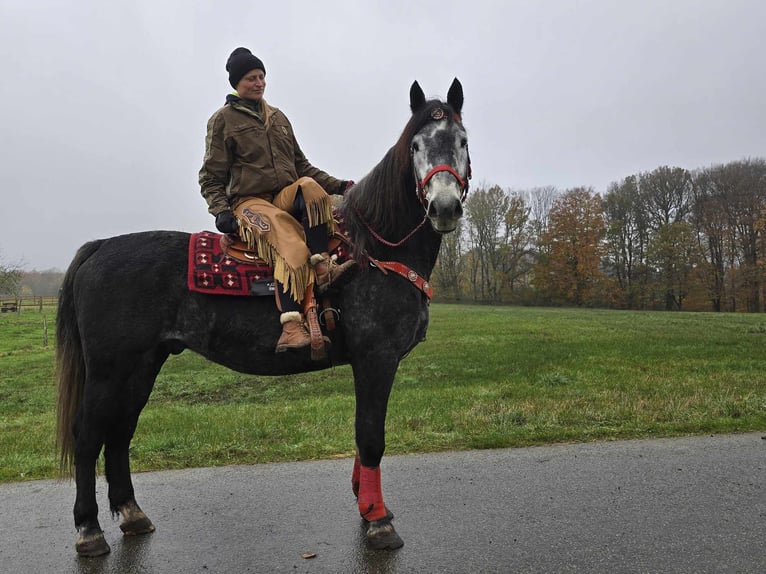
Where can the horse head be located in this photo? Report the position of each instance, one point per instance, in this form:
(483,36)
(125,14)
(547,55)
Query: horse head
(439,155)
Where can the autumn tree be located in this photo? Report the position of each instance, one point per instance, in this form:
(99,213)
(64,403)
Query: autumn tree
(569,271)
(673,252)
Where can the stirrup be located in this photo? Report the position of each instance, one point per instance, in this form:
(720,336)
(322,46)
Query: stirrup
(328,271)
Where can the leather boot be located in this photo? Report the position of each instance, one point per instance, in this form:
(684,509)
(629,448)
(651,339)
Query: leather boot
(294,332)
(327,270)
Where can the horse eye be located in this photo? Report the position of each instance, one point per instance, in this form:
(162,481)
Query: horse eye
(464,142)
(415,147)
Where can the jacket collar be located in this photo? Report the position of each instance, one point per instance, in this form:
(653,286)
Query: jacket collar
(264,114)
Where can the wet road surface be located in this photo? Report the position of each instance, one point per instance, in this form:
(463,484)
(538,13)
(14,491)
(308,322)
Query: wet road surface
(693,505)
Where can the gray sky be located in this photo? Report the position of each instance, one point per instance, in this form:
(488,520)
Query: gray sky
(103,105)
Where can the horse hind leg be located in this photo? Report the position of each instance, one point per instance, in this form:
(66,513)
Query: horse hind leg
(88,443)
(122,498)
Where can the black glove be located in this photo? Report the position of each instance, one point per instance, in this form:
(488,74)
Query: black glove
(225,222)
(345,186)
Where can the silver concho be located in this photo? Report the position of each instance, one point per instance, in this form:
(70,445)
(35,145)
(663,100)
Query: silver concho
(412,276)
(438,114)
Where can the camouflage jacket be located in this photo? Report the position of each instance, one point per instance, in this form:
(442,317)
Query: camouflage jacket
(251,154)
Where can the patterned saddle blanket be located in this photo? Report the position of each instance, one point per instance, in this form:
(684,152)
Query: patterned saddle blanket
(220,266)
(212,271)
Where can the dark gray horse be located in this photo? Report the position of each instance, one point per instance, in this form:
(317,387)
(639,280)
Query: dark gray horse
(125,307)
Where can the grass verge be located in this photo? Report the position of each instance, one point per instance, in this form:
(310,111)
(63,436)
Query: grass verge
(486,377)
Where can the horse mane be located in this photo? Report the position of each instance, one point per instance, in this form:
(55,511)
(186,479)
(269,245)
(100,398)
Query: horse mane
(384,199)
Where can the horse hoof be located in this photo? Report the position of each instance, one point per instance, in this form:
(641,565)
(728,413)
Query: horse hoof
(134,521)
(92,545)
(135,527)
(382,536)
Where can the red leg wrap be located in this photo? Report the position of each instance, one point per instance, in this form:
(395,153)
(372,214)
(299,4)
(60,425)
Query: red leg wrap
(355,475)
(370,500)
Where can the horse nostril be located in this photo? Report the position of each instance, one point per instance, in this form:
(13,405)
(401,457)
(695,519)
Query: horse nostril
(432,211)
(459,210)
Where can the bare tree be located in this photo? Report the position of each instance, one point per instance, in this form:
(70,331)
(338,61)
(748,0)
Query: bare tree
(667,193)
(485,214)
(9,278)
(627,236)
(743,185)
(450,267)
(711,223)
(515,247)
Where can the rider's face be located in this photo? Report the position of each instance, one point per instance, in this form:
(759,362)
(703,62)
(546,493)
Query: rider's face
(252,85)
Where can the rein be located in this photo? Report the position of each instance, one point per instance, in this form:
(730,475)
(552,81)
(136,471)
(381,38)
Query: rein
(385,242)
(420,191)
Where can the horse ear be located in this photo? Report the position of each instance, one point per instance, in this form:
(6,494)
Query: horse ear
(455,96)
(417,97)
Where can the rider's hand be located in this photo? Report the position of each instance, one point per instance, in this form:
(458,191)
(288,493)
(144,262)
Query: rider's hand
(345,186)
(225,222)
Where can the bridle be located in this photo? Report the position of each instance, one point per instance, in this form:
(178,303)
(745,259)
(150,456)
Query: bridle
(420,185)
(438,114)
(420,192)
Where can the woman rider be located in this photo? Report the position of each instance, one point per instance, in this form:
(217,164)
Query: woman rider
(258,184)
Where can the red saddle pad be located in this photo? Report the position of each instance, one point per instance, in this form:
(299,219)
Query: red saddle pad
(210,271)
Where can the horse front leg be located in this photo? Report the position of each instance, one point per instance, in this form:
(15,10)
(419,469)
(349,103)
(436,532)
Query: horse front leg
(373,381)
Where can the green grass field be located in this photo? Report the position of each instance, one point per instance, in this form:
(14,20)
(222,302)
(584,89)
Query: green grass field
(486,377)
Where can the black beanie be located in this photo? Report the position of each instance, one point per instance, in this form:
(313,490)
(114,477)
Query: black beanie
(240,63)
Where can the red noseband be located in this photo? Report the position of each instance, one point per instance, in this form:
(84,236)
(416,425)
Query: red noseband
(421,185)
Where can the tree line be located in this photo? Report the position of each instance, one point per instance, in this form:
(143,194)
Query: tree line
(16,283)
(670,239)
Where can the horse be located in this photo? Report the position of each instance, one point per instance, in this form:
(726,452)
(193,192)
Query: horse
(125,307)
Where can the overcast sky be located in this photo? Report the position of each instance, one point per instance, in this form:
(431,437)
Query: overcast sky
(103,104)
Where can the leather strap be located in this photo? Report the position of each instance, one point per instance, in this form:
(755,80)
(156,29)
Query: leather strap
(409,274)
(318,351)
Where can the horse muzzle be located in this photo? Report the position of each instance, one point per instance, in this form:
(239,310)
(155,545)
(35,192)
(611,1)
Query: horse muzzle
(444,211)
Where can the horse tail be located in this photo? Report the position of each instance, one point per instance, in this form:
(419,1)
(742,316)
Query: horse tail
(70,362)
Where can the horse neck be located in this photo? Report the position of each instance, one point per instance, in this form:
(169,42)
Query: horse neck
(367,218)
(419,252)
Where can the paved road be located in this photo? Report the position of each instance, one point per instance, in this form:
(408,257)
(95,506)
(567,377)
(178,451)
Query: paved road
(693,505)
